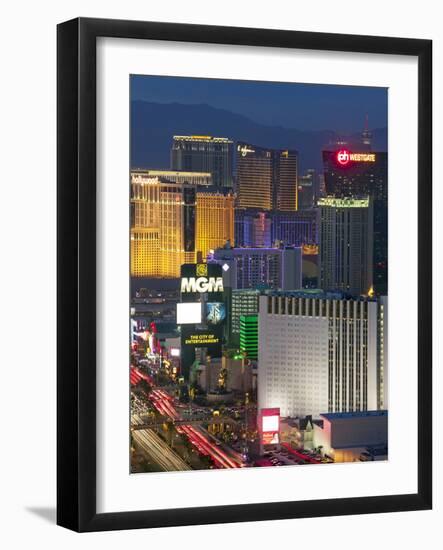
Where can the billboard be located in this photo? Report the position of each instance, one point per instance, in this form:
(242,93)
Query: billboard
(202,339)
(198,279)
(269,426)
(201,284)
(344,157)
(189,313)
(193,337)
(215,313)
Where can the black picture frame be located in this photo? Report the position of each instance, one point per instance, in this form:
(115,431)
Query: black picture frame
(76,281)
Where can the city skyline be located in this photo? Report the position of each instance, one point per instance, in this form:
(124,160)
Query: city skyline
(258,307)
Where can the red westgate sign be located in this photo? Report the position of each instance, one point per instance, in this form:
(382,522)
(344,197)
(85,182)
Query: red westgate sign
(344,157)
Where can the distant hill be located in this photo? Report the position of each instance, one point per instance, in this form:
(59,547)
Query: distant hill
(154,124)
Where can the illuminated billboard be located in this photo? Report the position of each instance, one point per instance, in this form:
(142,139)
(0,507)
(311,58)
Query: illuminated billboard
(201,284)
(215,313)
(189,313)
(269,426)
(344,157)
(197,279)
(270,423)
(202,339)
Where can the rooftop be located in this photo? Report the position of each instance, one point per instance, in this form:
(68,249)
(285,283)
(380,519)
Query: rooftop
(319,294)
(203,138)
(345,202)
(357,414)
(170,173)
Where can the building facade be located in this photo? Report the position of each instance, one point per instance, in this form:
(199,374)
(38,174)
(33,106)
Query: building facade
(295,228)
(256,228)
(346,245)
(350,174)
(204,154)
(249,268)
(243,302)
(308,191)
(346,436)
(214,221)
(321,352)
(249,336)
(163,236)
(266,178)
(253,228)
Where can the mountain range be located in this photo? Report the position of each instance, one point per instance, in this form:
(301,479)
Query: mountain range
(154,124)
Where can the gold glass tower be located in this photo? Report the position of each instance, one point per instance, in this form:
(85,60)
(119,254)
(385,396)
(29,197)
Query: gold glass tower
(286,187)
(266,178)
(214,221)
(254,177)
(163,221)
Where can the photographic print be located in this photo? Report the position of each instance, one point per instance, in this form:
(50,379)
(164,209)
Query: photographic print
(259,274)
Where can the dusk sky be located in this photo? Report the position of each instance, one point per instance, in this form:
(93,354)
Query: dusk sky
(292,105)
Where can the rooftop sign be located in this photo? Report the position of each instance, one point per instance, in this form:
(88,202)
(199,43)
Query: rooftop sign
(344,157)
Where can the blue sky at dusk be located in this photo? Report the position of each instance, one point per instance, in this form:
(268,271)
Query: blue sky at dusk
(291,105)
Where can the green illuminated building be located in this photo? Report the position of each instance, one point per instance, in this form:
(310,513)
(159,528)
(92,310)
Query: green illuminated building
(249,335)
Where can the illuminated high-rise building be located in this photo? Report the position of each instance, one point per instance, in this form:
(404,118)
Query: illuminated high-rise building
(163,221)
(356,174)
(214,221)
(204,154)
(295,228)
(285,180)
(366,135)
(322,352)
(266,178)
(202,179)
(346,245)
(279,268)
(308,189)
(252,228)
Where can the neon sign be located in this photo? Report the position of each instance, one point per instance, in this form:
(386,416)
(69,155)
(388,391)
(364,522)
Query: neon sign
(244,150)
(344,157)
(202,284)
(269,426)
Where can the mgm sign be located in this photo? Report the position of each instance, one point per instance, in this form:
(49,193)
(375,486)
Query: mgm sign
(202,283)
(200,279)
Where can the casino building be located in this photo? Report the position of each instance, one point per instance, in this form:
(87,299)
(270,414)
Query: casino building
(163,221)
(249,268)
(321,352)
(176,218)
(214,220)
(258,228)
(204,154)
(266,178)
(296,228)
(363,173)
(346,245)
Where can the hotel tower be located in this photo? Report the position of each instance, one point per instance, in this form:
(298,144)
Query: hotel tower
(322,352)
(163,207)
(266,178)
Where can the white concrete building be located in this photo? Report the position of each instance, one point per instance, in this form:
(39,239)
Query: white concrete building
(345,436)
(321,352)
